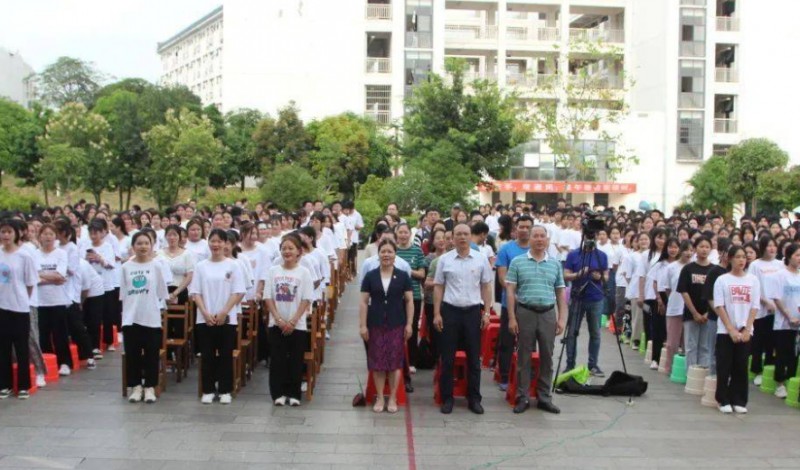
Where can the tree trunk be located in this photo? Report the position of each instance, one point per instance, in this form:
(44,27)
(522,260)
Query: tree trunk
(243,177)
(120,197)
(753,207)
(96,198)
(46,197)
(128,201)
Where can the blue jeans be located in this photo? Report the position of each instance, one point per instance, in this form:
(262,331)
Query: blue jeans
(592,312)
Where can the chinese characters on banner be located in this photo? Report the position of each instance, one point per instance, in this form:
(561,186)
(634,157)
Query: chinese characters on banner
(522,186)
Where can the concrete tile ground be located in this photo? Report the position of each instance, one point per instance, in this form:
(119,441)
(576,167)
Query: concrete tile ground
(82,422)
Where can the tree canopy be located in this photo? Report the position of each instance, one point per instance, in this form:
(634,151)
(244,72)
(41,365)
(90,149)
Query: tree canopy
(747,161)
(68,80)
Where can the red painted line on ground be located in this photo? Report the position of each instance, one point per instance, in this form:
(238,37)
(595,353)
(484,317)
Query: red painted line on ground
(412,458)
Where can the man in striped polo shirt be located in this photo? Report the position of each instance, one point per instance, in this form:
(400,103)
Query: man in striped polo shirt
(535,288)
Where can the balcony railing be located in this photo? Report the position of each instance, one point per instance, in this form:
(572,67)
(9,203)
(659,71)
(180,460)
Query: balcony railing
(381,117)
(691,101)
(726,126)
(465,32)
(531,80)
(472,75)
(727,23)
(727,75)
(379,12)
(597,34)
(524,34)
(379,65)
(605,82)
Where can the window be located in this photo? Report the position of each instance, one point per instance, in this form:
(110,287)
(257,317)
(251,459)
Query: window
(690,135)
(687,33)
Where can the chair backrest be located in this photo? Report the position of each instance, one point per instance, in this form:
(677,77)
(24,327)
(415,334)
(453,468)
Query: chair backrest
(183,313)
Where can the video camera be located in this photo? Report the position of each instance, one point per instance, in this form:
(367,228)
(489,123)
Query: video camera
(590,225)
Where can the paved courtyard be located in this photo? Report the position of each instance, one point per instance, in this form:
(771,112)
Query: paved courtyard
(82,422)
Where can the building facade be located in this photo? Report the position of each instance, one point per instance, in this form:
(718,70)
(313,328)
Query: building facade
(14,78)
(193,58)
(697,75)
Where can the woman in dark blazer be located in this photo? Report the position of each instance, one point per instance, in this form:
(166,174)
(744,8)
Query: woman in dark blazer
(386,312)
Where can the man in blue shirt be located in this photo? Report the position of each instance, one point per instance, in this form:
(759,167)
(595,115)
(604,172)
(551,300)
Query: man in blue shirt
(587,269)
(509,251)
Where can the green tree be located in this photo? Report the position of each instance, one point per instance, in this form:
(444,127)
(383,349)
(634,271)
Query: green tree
(589,106)
(436,178)
(482,123)
(747,161)
(710,188)
(183,152)
(136,86)
(60,169)
(239,158)
(288,185)
(30,151)
(347,148)
(130,158)
(157,100)
(86,132)
(778,189)
(18,132)
(283,140)
(68,80)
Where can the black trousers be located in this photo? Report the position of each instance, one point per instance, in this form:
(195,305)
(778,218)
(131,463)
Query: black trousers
(217,343)
(54,334)
(505,346)
(142,345)
(413,341)
(433,335)
(15,328)
(461,323)
(732,380)
(785,356)
(109,316)
(174,326)
(762,344)
(92,317)
(286,365)
(658,329)
(78,332)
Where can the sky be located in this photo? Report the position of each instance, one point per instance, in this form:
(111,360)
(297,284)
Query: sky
(118,36)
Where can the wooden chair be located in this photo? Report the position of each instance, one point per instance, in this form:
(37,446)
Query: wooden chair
(322,328)
(310,357)
(237,365)
(180,347)
(162,363)
(245,340)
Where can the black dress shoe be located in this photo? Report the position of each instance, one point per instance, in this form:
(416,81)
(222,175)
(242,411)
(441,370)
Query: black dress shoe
(548,407)
(409,387)
(476,407)
(522,405)
(447,406)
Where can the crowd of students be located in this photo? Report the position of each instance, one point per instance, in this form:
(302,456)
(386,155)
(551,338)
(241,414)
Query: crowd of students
(723,293)
(73,274)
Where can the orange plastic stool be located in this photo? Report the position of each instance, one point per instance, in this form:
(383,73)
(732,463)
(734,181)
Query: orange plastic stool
(372,393)
(489,338)
(73,351)
(15,382)
(459,378)
(611,325)
(51,364)
(511,392)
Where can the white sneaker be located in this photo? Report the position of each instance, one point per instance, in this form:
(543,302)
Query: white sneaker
(294,402)
(654,365)
(327,335)
(757,380)
(150,395)
(90,364)
(111,348)
(207,398)
(225,399)
(780,392)
(280,401)
(97,354)
(412,370)
(726,409)
(64,370)
(304,387)
(40,381)
(740,409)
(136,394)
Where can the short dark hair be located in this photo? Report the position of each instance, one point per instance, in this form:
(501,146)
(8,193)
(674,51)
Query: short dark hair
(524,218)
(479,228)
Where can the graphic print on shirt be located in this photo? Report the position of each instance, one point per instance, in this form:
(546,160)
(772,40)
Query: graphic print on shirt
(740,294)
(285,289)
(5,273)
(139,282)
(698,278)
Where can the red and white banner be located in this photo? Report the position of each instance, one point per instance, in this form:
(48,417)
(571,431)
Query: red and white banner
(524,186)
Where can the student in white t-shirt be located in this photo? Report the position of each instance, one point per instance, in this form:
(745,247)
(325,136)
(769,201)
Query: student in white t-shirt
(764,268)
(288,295)
(669,284)
(100,254)
(737,296)
(196,242)
(76,323)
(53,299)
(18,276)
(143,291)
(217,287)
(784,289)
(92,304)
